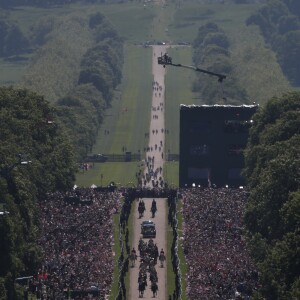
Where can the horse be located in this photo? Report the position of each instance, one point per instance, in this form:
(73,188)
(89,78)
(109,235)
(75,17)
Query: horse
(153,210)
(162,258)
(141,210)
(142,287)
(142,247)
(132,258)
(154,289)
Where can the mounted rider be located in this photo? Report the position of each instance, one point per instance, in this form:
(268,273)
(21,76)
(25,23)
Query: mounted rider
(155,253)
(154,288)
(153,208)
(153,205)
(151,243)
(141,208)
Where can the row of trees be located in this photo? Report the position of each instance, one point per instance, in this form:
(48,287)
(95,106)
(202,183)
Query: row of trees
(279,23)
(77,66)
(30,132)
(211,52)
(272,218)
(12,39)
(52,136)
(83,107)
(44,3)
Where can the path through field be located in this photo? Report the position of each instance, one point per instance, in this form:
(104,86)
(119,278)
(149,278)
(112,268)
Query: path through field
(155,154)
(156,137)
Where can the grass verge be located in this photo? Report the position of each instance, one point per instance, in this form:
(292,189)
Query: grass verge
(170,273)
(130,229)
(171,173)
(122,173)
(183,265)
(178,91)
(117,251)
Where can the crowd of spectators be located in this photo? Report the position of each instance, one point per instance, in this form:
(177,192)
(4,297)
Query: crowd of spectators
(77,242)
(219,265)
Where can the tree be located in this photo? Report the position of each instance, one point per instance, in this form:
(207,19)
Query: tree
(216,38)
(272,169)
(2,289)
(288,23)
(288,52)
(203,31)
(28,126)
(211,52)
(294,6)
(15,42)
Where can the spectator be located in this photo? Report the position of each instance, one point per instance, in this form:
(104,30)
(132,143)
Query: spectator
(77,242)
(219,265)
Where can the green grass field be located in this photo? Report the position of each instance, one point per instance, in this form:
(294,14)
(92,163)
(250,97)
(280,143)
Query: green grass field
(122,174)
(129,117)
(178,91)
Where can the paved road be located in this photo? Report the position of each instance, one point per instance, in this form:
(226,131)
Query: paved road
(156,137)
(160,240)
(156,155)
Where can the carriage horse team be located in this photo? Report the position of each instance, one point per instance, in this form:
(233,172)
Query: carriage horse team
(149,254)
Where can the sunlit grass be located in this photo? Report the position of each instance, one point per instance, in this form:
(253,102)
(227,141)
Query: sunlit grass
(117,252)
(170,273)
(178,91)
(183,265)
(171,173)
(121,173)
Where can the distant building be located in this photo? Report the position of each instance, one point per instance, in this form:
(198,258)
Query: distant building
(212,140)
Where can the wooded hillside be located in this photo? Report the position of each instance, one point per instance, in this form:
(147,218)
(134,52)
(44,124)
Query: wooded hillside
(272,218)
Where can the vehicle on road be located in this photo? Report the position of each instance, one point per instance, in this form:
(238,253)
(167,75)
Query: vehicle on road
(148,229)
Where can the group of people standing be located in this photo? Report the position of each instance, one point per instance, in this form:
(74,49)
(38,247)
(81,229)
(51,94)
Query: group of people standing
(149,255)
(219,265)
(77,242)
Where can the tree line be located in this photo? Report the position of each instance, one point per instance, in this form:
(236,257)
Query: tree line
(45,3)
(77,69)
(100,72)
(211,52)
(279,24)
(53,136)
(12,39)
(36,156)
(272,169)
